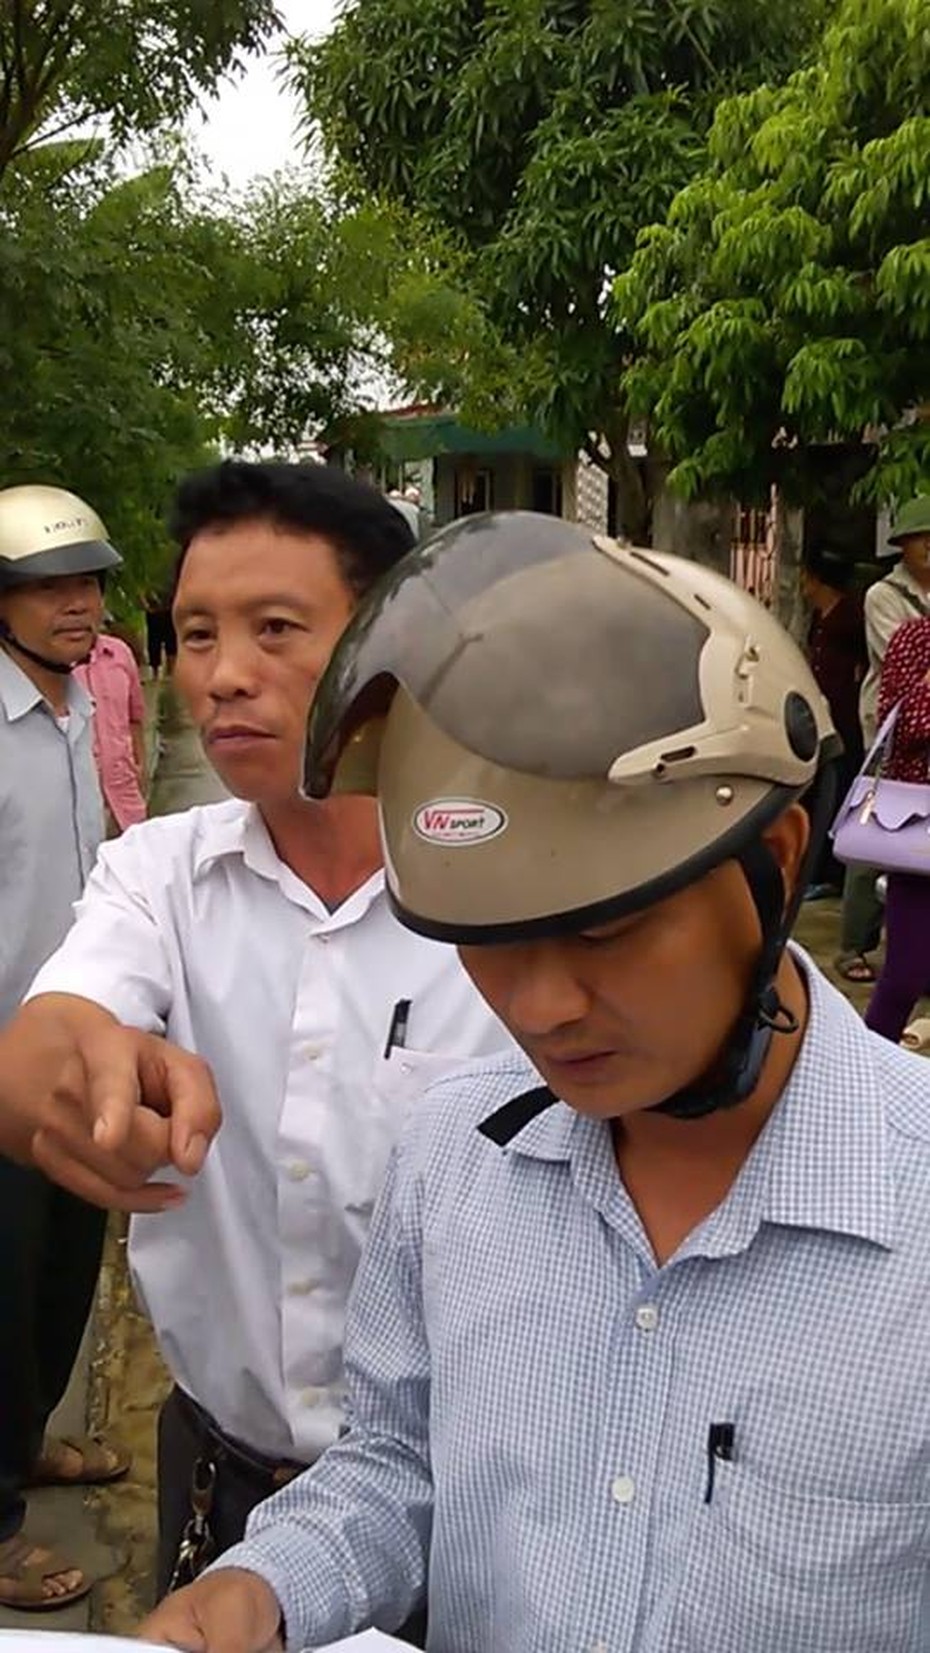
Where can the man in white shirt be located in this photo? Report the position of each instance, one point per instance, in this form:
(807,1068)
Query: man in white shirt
(256,932)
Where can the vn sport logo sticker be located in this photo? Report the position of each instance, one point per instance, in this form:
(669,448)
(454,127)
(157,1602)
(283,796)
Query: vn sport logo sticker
(451,821)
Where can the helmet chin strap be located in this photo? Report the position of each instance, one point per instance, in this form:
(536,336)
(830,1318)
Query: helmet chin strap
(739,1070)
(38,659)
(736,1074)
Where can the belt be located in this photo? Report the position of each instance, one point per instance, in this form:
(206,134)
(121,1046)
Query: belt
(219,1455)
(251,1463)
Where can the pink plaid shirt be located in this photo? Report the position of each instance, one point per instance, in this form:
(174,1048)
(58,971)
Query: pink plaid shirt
(111,678)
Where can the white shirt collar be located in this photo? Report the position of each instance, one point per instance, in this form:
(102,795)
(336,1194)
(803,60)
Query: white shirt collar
(238,829)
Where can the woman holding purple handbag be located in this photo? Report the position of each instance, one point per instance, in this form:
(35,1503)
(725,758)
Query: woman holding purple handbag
(905,687)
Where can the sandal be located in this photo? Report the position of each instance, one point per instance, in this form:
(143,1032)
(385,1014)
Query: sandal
(25,1570)
(916,1036)
(99,1463)
(855,967)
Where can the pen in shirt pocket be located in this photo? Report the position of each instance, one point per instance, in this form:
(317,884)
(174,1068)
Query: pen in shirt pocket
(721,1442)
(397,1032)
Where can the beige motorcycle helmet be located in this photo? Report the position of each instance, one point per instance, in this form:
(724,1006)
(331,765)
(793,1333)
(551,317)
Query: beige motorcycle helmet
(562,729)
(46,533)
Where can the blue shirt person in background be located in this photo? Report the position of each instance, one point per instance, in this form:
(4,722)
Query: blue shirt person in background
(53,556)
(637,1355)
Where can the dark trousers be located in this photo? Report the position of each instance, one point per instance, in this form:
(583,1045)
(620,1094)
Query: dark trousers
(160,639)
(906,970)
(243,1480)
(828,870)
(50,1249)
(862,914)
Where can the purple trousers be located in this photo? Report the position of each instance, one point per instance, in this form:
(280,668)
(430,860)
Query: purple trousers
(905,976)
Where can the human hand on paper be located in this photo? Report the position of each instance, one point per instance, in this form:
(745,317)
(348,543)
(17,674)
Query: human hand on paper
(229,1611)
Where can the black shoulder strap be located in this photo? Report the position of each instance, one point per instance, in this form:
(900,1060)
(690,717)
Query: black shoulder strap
(909,597)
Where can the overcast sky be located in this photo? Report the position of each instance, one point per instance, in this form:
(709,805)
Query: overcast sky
(249,129)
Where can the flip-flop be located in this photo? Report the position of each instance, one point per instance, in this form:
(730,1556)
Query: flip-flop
(100,1463)
(856,968)
(916,1036)
(31,1575)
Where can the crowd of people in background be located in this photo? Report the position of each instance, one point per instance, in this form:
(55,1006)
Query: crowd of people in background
(869,657)
(250,950)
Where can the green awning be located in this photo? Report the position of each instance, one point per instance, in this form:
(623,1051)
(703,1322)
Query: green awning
(423,435)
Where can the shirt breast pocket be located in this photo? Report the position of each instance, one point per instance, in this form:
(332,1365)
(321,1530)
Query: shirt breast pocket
(775,1570)
(399,1081)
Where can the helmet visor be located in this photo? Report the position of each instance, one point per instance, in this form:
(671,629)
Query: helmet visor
(504,664)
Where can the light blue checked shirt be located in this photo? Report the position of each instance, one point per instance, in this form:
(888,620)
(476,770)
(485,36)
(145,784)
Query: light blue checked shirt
(532,1397)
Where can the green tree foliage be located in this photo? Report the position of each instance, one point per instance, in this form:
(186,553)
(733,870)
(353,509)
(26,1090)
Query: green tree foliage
(530,140)
(140,63)
(785,302)
(140,328)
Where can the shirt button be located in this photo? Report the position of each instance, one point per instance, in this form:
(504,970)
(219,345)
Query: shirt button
(313,1052)
(623,1489)
(647,1317)
(298,1170)
(301,1288)
(312,1397)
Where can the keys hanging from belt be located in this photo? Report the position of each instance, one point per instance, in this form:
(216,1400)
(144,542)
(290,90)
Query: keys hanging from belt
(198,1545)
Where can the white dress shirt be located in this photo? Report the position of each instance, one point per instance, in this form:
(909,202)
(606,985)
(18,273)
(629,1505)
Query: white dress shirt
(191,925)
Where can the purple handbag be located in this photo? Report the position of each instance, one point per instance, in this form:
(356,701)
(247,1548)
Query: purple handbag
(882,823)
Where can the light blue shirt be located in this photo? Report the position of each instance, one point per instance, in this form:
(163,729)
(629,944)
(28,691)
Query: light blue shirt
(533,1397)
(51,823)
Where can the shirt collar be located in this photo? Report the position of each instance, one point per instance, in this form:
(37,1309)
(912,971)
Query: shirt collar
(825,1150)
(19,695)
(238,829)
(822,1161)
(901,575)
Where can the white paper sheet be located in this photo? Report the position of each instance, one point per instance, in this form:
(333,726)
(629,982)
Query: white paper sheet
(368,1641)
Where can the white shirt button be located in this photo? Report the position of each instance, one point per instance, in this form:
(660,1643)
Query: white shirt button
(623,1489)
(312,1397)
(298,1170)
(301,1288)
(647,1317)
(313,1052)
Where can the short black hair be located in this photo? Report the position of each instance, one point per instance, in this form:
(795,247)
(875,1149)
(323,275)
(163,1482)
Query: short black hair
(368,535)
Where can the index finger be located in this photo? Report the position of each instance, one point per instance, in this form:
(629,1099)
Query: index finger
(113,1091)
(180,1085)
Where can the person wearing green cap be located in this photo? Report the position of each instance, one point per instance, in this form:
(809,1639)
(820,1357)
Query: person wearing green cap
(903,594)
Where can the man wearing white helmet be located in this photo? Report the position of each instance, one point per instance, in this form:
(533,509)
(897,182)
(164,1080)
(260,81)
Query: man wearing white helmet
(637,1353)
(54,553)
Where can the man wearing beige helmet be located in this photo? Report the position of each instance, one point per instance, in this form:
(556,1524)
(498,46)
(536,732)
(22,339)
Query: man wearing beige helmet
(637,1350)
(54,554)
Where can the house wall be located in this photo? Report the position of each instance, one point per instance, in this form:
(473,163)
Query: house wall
(511,481)
(702,532)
